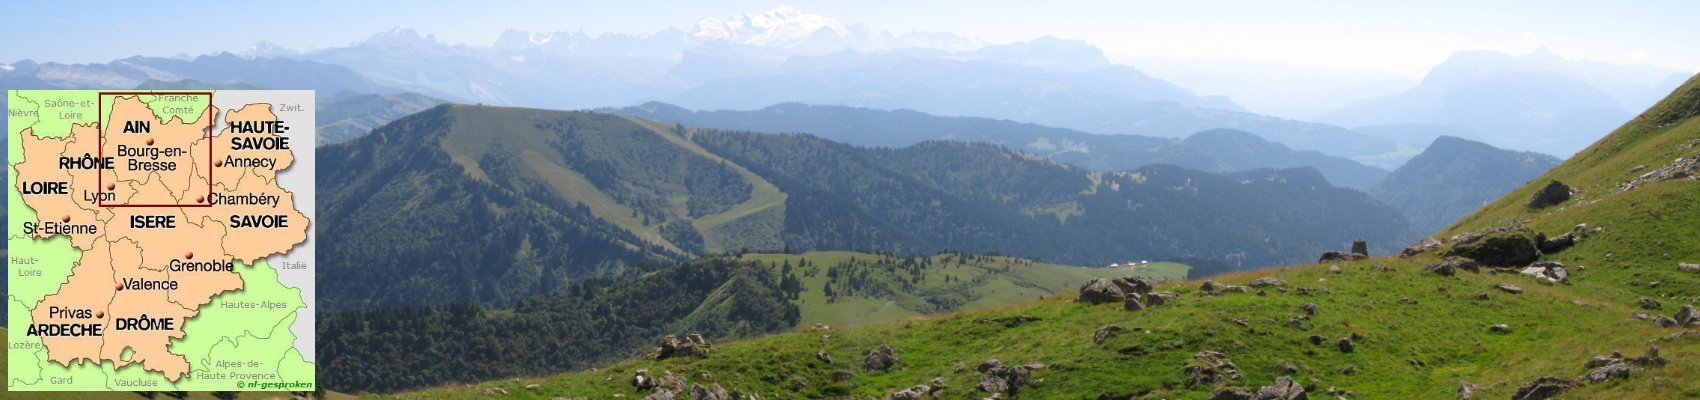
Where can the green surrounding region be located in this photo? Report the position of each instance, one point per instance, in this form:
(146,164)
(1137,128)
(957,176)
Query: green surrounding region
(1413,333)
(534,199)
(869,288)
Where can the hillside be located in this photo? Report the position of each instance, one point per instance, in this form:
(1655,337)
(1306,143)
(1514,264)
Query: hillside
(1217,150)
(347,114)
(522,201)
(720,297)
(5,370)
(1377,328)
(1454,177)
(871,288)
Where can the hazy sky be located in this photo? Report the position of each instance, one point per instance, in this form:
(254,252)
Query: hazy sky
(1405,37)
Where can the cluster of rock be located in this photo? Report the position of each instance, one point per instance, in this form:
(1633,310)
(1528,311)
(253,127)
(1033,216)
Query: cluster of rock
(917,391)
(1686,267)
(1451,267)
(1682,167)
(1135,293)
(1283,389)
(996,377)
(1360,251)
(1685,317)
(1211,288)
(670,386)
(880,359)
(1209,368)
(1542,388)
(692,345)
(1618,366)
(1550,271)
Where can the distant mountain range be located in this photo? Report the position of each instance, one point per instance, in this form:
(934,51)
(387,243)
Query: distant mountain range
(1454,177)
(347,115)
(1538,101)
(497,204)
(1218,151)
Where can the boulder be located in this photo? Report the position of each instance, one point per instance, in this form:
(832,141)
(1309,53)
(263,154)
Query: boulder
(937,385)
(1444,269)
(1266,281)
(880,359)
(1511,248)
(1466,390)
(1382,267)
(1665,322)
(1420,247)
(1558,243)
(1601,374)
(672,346)
(1105,333)
(1296,323)
(1155,299)
(1310,308)
(1133,284)
(1686,267)
(1509,288)
(842,375)
(1283,389)
(1208,368)
(1650,304)
(1335,256)
(673,383)
(1553,193)
(1334,269)
(1360,247)
(1345,345)
(823,357)
(989,365)
(661,395)
(1687,316)
(712,392)
(1501,328)
(1100,290)
(1639,316)
(1542,388)
(1207,286)
(912,393)
(1317,340)
(642,380)
(1132,304)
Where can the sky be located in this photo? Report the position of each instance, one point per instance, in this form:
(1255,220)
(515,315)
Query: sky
(1404,37)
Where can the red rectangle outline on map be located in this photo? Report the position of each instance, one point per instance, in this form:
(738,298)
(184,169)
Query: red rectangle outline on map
(100,149)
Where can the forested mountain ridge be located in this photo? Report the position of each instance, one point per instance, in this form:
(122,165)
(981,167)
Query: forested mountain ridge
(1217,150)
(1454,177)
(495,204)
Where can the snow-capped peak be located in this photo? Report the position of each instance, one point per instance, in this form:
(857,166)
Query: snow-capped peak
(783,27)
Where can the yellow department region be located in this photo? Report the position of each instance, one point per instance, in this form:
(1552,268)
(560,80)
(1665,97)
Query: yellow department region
(163,211)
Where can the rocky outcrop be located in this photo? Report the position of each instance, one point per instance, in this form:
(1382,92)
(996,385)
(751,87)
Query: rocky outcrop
(1553,193)
(996,377)
(842,375)
(1542,388)
(880,359)
(1207,286)
(823,357)
(1687,316)
(1558,243)
(1650,304)
(1133,286)
(642,380)
(1548,270)
(1686,267)
(1443,269)
(1513,248)
(1232,393)
(1100,290)
(1509,288)
(711,392)
(1360,247)
(1283,389)
(1158,298)
(1466,390)
(1209,368)
(1421,246)
(1266,282)
(1346,345)
(1310,308)
(912,393)
(672,346)
(1105,333)
(1335,256)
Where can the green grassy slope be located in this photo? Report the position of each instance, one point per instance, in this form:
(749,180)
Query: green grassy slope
(1417,334)
(973,282)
